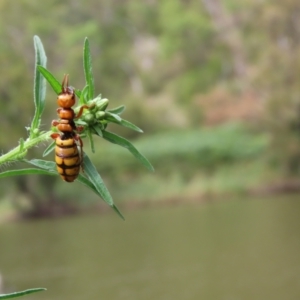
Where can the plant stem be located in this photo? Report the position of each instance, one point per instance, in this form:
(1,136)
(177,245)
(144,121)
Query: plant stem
(18,152)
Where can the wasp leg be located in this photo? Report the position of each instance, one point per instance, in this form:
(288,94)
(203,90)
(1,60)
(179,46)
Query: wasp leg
(55,135)
(55,123)
(80,142)
(81,111)
(79,128)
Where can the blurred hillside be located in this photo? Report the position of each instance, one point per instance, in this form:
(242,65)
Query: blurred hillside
(214,85)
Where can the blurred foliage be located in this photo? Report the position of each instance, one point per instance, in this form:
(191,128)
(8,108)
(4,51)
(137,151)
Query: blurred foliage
(169,151)
(188,162)
(275,41)
(163,59)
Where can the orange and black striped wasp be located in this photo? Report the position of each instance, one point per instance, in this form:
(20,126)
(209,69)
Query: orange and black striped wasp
(68,143)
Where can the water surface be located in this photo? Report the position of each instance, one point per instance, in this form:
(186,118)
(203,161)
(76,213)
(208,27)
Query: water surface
(244,249)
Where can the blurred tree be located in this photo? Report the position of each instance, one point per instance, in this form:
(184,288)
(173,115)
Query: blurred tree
(277,49)
(189,43)
(229,32)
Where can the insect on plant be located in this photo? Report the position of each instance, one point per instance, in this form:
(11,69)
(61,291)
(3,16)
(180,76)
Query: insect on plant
(90,119)
(68,149)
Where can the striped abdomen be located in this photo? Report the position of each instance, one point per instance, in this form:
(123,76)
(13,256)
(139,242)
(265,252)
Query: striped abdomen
(67,157)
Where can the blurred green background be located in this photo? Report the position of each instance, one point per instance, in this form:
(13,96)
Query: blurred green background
(215,85)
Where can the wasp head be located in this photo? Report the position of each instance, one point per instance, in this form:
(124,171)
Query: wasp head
(66,99)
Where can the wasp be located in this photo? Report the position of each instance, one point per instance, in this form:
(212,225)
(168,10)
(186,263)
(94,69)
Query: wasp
(68,143)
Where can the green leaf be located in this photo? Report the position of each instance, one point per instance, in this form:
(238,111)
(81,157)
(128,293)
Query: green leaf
(49,149)
(77,93)
(39,86)
(91,140)
(29,171)
(98,130)
(54,83)
(81,123)
(113,117)
(118,110)
(127,124)
(95,178)
(115,208)
(84,95)
(22,293)
(85,181)
(115,139)
(87,66)
(43,164)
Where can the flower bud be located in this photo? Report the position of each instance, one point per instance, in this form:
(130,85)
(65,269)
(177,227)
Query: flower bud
(102,104)
(36,131)
(100,115)
(89,118)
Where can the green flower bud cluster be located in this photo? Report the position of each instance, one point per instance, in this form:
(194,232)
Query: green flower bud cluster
(96,111)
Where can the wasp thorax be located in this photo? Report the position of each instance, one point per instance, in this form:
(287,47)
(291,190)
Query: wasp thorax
(66,100)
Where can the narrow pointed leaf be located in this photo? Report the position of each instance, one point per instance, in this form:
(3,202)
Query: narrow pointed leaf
(118,110)
(91,140)
(81,122)
(85,181)
(22,293)
(113,138)
(54,83)
(43,164)
(112,117)
(29,171)
(77,93)
(127,124)
(98,130)
(87,66)
(39,85)
(49,149)
(95,178)
(118,211)
(84,95)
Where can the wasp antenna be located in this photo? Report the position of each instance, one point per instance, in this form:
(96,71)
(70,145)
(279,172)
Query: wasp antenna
(65,83)
(67,80)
